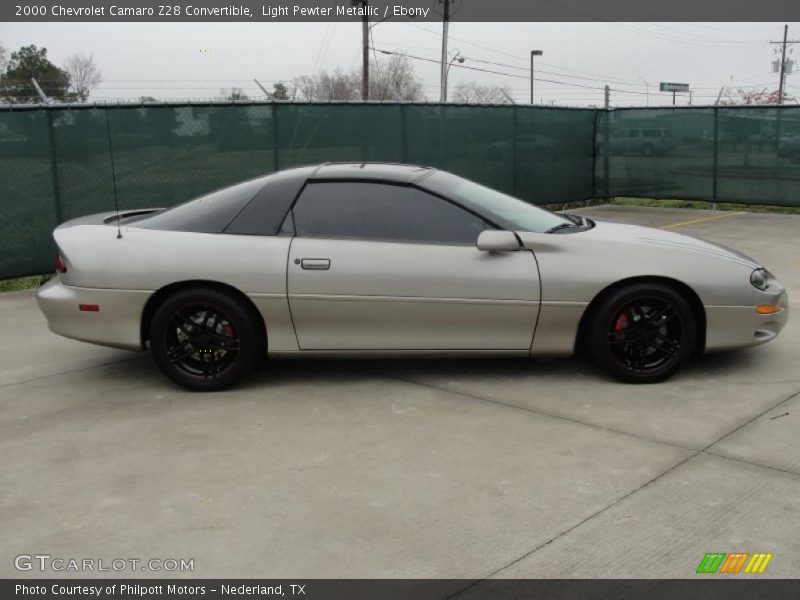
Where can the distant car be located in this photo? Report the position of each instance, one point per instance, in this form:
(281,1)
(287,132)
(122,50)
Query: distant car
(381,260)
(790,148)
(538,147)
(645,141)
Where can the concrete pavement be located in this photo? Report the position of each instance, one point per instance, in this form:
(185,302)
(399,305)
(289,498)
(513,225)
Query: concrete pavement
(450,469)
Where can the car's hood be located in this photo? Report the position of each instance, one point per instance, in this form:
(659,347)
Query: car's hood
(666,239)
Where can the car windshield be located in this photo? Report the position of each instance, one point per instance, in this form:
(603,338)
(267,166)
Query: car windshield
(507,211)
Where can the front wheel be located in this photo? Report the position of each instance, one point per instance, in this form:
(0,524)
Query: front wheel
(643,333)
(205,339)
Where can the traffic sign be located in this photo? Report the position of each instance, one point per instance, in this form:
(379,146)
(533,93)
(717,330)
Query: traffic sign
(674,87)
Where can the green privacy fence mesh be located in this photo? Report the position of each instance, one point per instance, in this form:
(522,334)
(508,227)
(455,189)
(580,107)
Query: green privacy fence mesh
(749,155)
(56,162)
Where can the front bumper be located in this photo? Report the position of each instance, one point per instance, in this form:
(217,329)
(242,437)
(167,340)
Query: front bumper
(738,326)
(117,323)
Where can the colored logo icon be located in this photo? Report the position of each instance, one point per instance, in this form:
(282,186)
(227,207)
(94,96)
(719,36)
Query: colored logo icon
(735,562)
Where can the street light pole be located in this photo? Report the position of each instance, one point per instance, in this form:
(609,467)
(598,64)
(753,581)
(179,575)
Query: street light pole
(456,57)
(533,53)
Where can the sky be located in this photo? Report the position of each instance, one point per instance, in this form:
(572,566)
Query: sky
(196,60)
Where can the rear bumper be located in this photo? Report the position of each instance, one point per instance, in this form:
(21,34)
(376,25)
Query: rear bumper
(116,324)
(738,326)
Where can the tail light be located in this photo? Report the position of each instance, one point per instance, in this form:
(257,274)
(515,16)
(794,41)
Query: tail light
(61,266)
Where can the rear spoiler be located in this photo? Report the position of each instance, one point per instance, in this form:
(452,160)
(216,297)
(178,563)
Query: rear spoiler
(112,219)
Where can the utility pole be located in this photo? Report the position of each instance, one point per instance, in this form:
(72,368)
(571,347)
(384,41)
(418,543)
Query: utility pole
(533,53)
(365,51)
(783,64)
(445,28)
(782,70)
(608,97)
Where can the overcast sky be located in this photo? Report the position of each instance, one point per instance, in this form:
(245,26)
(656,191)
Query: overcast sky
(181,61)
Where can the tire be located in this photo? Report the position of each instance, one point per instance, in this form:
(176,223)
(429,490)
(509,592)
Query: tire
(642,333)
(205,339)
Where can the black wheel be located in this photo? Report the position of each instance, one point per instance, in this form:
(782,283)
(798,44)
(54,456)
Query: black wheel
(643,333)
(205,339)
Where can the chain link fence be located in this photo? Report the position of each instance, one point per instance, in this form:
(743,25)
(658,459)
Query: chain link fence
(748,155)
(58,163)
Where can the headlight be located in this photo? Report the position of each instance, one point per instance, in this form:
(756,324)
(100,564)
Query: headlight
(759,279)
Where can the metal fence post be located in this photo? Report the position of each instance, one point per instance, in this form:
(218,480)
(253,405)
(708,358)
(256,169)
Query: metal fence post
(515,164)
(606,153)
(715,174)
(54,168)
(594,153)
(403,134)
(275,159)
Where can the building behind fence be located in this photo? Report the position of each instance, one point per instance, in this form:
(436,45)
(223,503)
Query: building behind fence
(56,162)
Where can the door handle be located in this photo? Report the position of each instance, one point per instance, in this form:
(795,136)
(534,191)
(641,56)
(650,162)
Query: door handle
(315,264)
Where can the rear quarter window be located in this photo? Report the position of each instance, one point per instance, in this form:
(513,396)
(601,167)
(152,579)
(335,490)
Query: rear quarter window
(210,213)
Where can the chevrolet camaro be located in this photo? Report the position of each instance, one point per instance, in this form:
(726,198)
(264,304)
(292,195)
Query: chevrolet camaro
(376,259)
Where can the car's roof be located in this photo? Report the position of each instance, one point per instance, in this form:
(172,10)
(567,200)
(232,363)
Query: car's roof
(371,171)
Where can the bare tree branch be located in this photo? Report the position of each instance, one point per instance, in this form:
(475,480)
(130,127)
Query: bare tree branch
(391,79)
(83,74)
(470,92)
(234,94)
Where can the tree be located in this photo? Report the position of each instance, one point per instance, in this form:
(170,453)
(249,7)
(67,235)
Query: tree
(83,74)
(471,92)
(280,91)
(325,86)
(751,97)
(234,94)
(393,78)
(389,79)
(3,59)
(30,62)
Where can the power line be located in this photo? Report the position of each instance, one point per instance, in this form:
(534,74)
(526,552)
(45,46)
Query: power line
(527,77)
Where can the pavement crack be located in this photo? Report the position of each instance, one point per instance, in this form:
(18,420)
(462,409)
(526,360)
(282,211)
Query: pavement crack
(751,463)
(59,373)
(574,421)
(694,453)
(752,419)
(576,525)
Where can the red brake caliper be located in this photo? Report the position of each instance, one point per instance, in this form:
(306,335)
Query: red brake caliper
(621,322)
(228,330)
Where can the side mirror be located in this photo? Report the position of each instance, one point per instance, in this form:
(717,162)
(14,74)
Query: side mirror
(498,241)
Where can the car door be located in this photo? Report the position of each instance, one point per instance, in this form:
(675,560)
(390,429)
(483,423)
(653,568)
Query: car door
(376,266)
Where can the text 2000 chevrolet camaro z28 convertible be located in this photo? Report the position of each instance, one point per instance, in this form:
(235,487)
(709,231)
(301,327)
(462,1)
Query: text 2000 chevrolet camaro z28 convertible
(383,259)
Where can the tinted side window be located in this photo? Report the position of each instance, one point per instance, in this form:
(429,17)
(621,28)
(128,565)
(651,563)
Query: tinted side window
(207,214)
(382,212)
(266,211)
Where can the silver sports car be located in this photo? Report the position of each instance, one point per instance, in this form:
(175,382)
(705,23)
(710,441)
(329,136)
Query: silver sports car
(386,259)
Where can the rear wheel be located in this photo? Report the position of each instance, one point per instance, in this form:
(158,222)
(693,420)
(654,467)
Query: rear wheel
(205,339)
(643,333)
